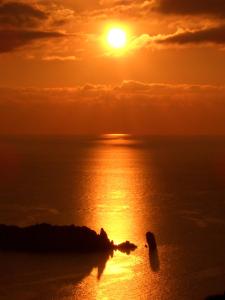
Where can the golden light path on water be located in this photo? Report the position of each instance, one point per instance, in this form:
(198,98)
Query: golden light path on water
(116,187)
(117,191)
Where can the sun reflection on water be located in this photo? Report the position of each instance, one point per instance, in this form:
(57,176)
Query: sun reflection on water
(116,186)
(116,192)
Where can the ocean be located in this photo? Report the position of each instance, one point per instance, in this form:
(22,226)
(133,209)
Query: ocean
(128,185)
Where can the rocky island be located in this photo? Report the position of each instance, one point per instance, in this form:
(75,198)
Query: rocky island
(54,238)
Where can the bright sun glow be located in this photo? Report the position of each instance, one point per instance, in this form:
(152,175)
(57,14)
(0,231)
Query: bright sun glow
(117,38)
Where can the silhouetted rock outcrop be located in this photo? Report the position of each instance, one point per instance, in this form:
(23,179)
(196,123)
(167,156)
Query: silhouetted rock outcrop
(150,237)
(50,238)
(125,247)
(216,297)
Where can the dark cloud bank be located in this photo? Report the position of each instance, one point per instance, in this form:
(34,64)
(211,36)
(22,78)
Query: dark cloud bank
(12,39)
(215,35)
(191,7)
(22,23)
(20,14)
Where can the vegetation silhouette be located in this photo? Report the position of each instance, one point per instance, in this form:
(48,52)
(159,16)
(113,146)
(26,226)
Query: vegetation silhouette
(53,238)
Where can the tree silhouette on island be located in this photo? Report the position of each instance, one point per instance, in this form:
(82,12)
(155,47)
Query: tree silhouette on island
(54,238)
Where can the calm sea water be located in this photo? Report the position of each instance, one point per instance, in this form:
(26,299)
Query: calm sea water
(128,185)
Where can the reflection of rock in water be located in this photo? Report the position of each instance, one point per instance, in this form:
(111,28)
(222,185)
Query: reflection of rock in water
(153,252)
(32,276)
(154,260)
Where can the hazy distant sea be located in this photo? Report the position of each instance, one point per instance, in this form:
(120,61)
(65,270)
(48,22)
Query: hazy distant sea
(173,186)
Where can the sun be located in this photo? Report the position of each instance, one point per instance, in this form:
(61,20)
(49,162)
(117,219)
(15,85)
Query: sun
(117,38)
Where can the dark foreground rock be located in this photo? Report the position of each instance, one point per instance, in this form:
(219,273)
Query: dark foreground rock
(50,238)
(216,297)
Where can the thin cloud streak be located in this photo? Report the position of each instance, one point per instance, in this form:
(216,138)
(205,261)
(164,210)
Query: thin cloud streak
(14,39)
(215,35)
(60,58)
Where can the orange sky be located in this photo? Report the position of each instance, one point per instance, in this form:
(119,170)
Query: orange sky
(57,75)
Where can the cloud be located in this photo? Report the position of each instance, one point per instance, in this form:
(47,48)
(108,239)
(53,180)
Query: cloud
(22,23)
(138,8)
(191,7)
(123,10)
(134,107)
(60,58)
(215,35)
(19,14)
(13,39)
